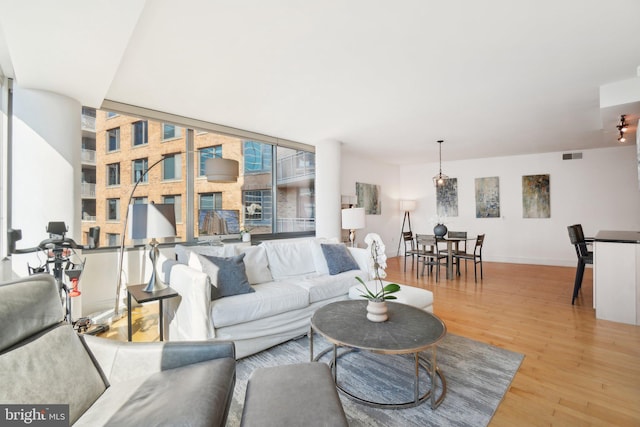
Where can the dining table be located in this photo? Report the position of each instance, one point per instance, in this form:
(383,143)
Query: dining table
(453,244)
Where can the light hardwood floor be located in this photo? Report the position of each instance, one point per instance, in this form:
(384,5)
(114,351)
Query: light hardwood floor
(577,370)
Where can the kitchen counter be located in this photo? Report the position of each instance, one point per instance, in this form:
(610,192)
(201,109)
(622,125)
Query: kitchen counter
(618,236)
(616,276)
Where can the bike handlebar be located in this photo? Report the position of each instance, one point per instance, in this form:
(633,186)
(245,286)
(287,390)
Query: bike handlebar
(46,245)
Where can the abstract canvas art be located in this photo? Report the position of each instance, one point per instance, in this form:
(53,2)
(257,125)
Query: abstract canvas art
(447,197)
(488,197)
(369,198)
(536,196)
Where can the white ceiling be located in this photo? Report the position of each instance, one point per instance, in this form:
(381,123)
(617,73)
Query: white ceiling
(386,78)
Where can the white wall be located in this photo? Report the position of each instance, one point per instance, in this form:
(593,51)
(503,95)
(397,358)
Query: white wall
(600,191)
(356,168)
(46,164)
(4,137)
(327,189)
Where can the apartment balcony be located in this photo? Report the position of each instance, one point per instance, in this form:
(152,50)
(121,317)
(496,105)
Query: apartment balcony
(290,225)
(87,190)
(88,122)
(298,168)
(88,218)
(88,157)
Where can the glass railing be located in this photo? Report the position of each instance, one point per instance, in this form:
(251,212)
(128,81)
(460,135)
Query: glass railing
(298,166)
(88,156)
(291,225)
(88,123)
(88,190)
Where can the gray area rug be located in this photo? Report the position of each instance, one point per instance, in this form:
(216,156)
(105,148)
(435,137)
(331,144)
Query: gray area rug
(477,375)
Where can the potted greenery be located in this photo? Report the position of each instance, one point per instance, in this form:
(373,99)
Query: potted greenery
(377,306)
(245,234)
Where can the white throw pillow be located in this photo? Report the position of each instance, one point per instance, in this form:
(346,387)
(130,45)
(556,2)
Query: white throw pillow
(186,254)
(289,258)
(256,263)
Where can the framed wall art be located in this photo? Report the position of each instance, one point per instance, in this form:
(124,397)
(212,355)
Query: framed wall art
(447,198)
(369,198)
(536,196)
(488,197)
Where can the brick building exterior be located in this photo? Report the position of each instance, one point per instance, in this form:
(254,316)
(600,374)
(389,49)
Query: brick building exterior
(126,146)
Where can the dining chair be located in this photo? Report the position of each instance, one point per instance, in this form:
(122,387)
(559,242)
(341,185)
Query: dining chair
(429,254)
(461,247)
(475,256)
(585,256)
(409,248)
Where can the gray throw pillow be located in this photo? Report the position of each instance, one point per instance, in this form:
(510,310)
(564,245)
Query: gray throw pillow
(338,257)
(231,276)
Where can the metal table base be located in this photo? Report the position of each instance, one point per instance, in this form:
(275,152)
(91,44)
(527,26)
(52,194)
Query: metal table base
(420,362)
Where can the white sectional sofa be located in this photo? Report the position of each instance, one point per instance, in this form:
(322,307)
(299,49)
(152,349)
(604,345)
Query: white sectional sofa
(289,280)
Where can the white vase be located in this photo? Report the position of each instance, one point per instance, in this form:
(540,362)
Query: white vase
(246,237)
(377,311)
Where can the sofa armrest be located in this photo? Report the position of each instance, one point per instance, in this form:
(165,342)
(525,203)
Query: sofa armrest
(121,361)
(188,317)
(362,256)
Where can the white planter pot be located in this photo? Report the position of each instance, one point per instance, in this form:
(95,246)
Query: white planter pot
(246,237)
(377,311)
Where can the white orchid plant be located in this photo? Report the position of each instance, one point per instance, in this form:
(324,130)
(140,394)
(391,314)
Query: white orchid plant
(377,264)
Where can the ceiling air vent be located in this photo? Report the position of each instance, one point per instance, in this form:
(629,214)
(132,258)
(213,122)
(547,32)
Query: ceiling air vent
(571,156)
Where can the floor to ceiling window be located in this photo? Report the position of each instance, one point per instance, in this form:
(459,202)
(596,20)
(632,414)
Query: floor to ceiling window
(273,195)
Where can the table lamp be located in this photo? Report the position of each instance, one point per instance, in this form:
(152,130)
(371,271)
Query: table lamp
(353,219)
(151,222)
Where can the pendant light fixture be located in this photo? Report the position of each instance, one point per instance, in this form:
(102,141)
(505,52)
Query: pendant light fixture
(622,128)
(439,179)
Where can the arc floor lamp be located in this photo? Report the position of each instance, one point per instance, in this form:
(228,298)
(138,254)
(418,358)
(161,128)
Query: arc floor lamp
(217,169)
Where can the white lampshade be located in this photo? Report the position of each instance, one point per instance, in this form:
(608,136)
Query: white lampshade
(407,205)
(221,170)
(152,221)
(353,218)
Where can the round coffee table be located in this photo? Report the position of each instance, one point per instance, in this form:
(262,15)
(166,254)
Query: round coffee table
(408,330)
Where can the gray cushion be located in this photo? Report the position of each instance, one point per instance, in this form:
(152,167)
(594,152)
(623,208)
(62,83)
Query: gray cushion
(194,395)
(28,306)
(292,395)
(52,368)
(228,273)
(338,257)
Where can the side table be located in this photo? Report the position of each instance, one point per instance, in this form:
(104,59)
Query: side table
(137,291)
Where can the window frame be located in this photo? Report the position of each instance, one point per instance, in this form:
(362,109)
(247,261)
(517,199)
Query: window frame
(117,139)
(115,209)
(202,159)
(177,167)
(118,174)
(177,131)
(191,188)
(145,133)
(178,206)
(214,195)
(145,169)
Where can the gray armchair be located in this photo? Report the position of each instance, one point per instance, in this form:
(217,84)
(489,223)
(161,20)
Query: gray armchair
(105,382)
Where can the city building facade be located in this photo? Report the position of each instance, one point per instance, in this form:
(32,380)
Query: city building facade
(118,151)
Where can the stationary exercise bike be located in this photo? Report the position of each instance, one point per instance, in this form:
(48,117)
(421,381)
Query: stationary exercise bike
(59,258)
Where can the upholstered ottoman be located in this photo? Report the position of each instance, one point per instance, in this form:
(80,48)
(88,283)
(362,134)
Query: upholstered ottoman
(292,395)
(420,298)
